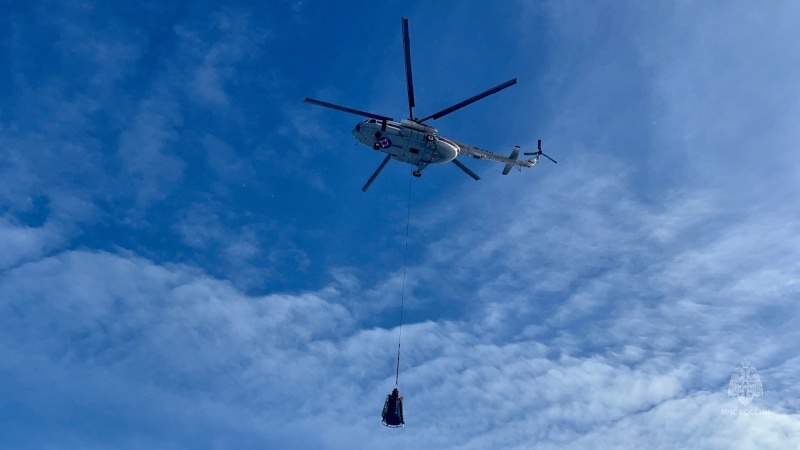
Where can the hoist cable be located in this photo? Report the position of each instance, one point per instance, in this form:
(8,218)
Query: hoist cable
(403,290)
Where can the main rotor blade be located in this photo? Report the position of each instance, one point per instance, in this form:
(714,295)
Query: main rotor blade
(409,80)
(466,169)
(344,109)
(471,100)
(377,172)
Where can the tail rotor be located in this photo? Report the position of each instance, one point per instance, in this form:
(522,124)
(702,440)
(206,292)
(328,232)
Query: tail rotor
(540,153)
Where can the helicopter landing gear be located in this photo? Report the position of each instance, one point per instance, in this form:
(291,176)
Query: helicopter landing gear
(418,173)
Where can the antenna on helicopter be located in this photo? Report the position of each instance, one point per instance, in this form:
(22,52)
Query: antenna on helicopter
(540,153)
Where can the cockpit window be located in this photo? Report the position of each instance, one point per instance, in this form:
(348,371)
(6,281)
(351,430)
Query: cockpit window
(371,121)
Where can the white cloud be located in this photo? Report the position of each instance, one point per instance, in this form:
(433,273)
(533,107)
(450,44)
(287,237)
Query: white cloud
(238,42)
(19,244)
(149,163)
(170,336)
(249,254)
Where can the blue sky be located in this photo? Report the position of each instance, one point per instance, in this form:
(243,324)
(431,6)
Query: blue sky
(187,260)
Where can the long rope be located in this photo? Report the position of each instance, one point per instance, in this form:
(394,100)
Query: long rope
(403,290)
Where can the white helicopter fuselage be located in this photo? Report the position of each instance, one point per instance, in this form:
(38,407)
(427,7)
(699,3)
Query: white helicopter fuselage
(407,141)
(419,145)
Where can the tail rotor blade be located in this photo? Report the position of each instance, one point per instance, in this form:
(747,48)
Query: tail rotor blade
(540,152)
(551,159)
(409,78)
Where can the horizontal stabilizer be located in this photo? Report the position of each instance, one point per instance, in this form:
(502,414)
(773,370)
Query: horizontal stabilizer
(513,155)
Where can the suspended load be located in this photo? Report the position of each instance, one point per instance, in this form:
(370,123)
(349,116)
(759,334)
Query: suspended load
(392,414)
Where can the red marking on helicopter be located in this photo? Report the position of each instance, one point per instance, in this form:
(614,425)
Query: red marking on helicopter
(385,142)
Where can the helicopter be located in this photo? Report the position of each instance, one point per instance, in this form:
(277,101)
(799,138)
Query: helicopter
(411,141)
